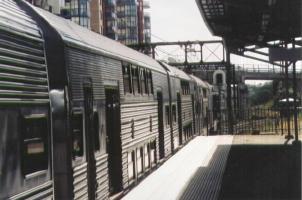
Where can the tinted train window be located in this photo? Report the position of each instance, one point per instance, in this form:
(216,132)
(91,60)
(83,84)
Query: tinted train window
(185,87)
(96,131)
(35,143)
(77,135)
(167,115)
(127,78)
(204,92)
(174,117)
(219,79)
(135,80)
(150,82)
(143,81)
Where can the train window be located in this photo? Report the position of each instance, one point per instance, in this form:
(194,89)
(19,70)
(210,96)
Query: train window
(135,79)
(139,160)
(35,143)
(219,79)
(131,165)
(150,82)
(204,92)
(185,87)
(174,116)
(102,138)
(77,135)
(167,115)
(146,156)
(132,128)
(143,81)
(127,77)
(151,124)
(96,131)
(153,152)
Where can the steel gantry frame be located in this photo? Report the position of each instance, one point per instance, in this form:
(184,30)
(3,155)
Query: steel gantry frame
(225,64)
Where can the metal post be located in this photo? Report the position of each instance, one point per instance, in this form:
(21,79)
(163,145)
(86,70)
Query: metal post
(295,97)
(186,53)
(229,89)
(289,136)
(234,93)
(201,53)
(153,51)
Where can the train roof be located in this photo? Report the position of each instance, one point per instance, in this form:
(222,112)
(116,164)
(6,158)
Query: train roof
(176,72)
(76,35)
(199,81)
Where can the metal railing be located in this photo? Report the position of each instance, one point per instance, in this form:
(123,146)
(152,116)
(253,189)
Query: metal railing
(254,68)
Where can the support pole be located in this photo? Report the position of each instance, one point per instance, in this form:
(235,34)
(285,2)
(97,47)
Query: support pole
(153,51)
(229,89)
(186,53)
(234,93)
(289,136)
(295,97)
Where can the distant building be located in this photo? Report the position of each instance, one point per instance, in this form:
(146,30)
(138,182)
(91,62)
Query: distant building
(147,23)
(96,19)
(80,12)
(124,20)
(109,19)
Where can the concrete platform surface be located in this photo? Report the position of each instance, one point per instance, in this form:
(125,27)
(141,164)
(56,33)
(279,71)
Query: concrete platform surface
(174,178)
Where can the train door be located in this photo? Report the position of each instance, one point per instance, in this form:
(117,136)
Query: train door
(88,108)
(113,129)
(161,139)
(179,118)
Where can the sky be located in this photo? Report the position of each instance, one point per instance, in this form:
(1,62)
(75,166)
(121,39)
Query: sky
(180,20)
(175,20)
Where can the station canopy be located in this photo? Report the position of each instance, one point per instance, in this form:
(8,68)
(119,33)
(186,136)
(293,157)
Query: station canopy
(252,22)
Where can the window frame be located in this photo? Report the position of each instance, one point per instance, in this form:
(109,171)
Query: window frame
(78,159)
(44,138)
(167,116)
(128,76)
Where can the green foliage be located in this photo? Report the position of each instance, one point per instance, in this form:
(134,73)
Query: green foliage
(261,94)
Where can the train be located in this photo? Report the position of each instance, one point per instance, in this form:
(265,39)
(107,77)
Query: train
(82,116)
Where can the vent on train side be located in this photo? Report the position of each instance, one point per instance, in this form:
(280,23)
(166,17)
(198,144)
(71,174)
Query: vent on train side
(23,72)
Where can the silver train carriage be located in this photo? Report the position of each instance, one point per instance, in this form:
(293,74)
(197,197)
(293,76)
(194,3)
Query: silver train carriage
(82,116)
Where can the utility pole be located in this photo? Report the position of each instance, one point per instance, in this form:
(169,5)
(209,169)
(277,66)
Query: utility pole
(229,89)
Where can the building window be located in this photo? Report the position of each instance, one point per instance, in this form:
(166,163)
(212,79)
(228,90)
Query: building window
(167,115)
(35,143)
(77,129)
(127,77)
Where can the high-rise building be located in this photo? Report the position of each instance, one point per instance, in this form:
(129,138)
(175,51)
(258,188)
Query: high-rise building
(147,23)
(127,21)
(96,19)
(80,12)
(109,19)
(124,20)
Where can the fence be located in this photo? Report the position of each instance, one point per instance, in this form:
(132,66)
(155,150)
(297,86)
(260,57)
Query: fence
(256,121)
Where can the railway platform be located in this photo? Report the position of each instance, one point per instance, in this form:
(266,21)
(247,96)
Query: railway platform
(227,167)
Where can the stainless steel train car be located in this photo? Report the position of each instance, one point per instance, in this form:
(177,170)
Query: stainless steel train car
(82,116)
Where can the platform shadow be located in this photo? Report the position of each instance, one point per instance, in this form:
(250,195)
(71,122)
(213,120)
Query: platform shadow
(252,172)
(262,172)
